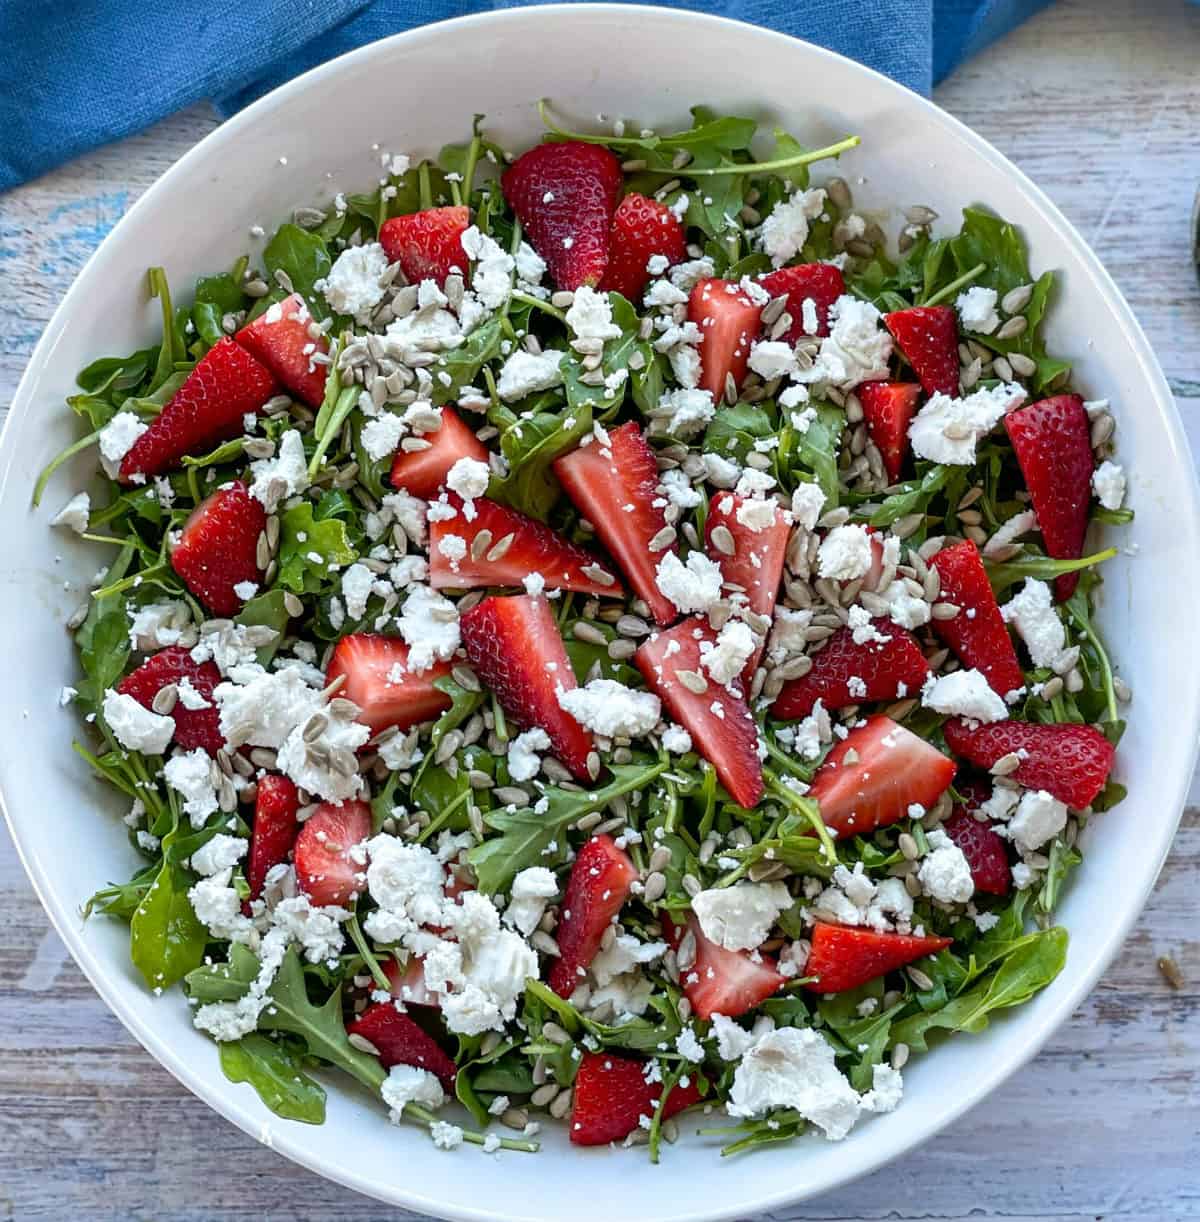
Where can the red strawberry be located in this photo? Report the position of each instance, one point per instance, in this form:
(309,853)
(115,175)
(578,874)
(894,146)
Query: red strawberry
(193,727)
(565,195)
(894,770)
(603,481)
(1052,442)
(977,634)
(723,981)
(980,845)
(386,696)
(275,825)
(612,1094)
(928,337)
(598,886)
(401,1041)
(534,548)
(326,869)
(218,548)
(889,670)
(408,982)
(280,339)
(821,283)
(844,957)
(1070,762)
(515,646)
(423,472)
(729,324)
(888,408)
(227,384)
(427,245)
(641,228)
(728,739)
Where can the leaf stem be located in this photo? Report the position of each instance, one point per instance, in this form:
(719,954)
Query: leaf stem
(368,956)
(805,807)
(538,303)
(57,461)
(781,163)
(333,426)
(955,285)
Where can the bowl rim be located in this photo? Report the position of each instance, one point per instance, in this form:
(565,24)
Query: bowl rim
(874,1155)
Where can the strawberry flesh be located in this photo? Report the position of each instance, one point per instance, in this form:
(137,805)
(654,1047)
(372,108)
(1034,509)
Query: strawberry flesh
(193,727)
(612,1094)
(324,853)
(275,826)
(408,982)
(402,1041)
(427,245)
(928,337)
(888,408)
(820,283)
(598,887)
(844,957)
(279,338)
(641,229)
(423,472)
(723,981)
(729,324)
(379,682)
(516,649)
(218,548)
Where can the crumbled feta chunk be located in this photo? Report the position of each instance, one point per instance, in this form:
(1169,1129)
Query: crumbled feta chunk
(964,693)
(1039,817)
(408,1084)
(74,514)
(845,553)
(429,623)
(219,854)
(136,727)
(523,758)
(353,284)
(492,278)
(725,658)
(157,625)
(526,372)
(693,586)
(977,310)
(469,478)
(741,916)
(944,873)
(190,775)
(531,889)
(783,234)
(947,430)
(1108,483)
(685,412)
(608,707)
(1032,612)
(590,315)
(321,774)
(676,740)
(285,475)
(117,438)
(381,436)
(807,503)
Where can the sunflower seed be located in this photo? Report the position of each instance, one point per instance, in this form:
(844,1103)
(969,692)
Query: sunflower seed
(593,764)
(1052,687)
(314,727)
(660,858)
(1122,690)
(691,884)
(1023,366)
(663,539)
(655,886)
(920,214)
(562,1103)
(263,757)
(1171,973)
(633,626)
(1006,765)
(542,941)
(693,680)
(164,699)
(839,192)
(1102,429)
(466,678)
(515,1117)
(1015,300)
(899,1056)
(919,978)
(362,1043)
(1017,325)
(594,573)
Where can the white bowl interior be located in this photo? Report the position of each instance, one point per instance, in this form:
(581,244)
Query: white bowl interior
(412,94)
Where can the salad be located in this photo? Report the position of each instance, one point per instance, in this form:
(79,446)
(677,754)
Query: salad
(598,636)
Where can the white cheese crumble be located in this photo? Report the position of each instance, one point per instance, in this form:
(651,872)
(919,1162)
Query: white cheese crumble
(590,315)
(409,1084)
(1039,817)
(526,372)
(607,707)
(532,889)
(727,656)
(977,310)
(944,873)
(807,503)
(190,775)
(219,854)
(857,348)
(492,278)
(845,553)
(783,234)
(1032,613)
(741,916)
(946,430)
(683,413)
(965,693)
(523,758)
(353,285)
(381,436)
(285,475)
(1108,483)
(676,740)
(298,758)
(469,478)
(429,623)
(136,727)
(157,625)
(75,513)
(693,586)
(265,710)
(117,438)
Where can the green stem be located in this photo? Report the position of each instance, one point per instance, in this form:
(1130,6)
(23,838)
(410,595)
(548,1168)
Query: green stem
(500,724)
(425,187)
(781,163)
(1110,696)
(785,761)
(414,1111)
(127,583)
(342,409)
(368,957)
(806,807)
(443,815)
(468,181)
(57,461)
(538,303)
(955,285)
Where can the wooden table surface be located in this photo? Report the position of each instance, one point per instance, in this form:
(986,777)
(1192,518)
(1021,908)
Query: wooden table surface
(1098,103)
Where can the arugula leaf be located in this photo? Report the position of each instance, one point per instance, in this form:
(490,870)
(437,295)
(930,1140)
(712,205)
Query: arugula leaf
(732,431)
(915,498)
(460,366)
(276,1076)
(530,445)
(166,941)
(301,538)
(103,638)
(1045,568)
(817,449)
(615,363)
(303,257)
(268,611)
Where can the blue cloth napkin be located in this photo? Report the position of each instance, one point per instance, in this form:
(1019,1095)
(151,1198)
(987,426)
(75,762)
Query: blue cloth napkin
(77,75)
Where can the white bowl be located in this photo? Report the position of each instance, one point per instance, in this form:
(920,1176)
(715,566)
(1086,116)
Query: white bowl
(413,93)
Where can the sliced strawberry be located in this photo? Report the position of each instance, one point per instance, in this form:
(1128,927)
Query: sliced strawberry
(226,385)
(845,672)
(533,548)
(218,548)
(888,408)
(977,634)
(891,770)
(1070,762)
(324,853)
(516,649)
(757,561)
(719,721)
(1052,442)
(641,229)
(193,727)
(844,957)
(928,337)
(401,1041)
(427,245)
(379,682)
(820,283)
(722,981)
(981,846)
(281,340)
(565,196)
(614,485)
(598,887)
(423,472)
(275,826)
(613,1093)
(729,324)
(408,982)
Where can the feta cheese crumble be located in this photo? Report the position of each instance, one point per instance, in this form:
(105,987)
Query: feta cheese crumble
(965,693)
(607,707)
(741,916)
(947,430)
(693,586)
(1108,483)
(977,310)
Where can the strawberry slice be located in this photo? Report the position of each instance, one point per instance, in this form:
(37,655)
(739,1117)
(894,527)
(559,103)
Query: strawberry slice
(977,634)
(326,869)
(928,337)
(614,484)
(532,548)
(423,472)
(516,649)
(274,832)
(598,887)
(565,196)
(1052,442)
(408,982)
(193,727)
(279,338)
(722,981)
(719,721)
(729,323)
(843,957)
(379,682)
(612,1094)
(427,245)
(401,1041)
(821,283)
(218,547)
(888,407)
(1070,762)
(226,384)
(891,769)
(641,229)
(980,845)
(845,672)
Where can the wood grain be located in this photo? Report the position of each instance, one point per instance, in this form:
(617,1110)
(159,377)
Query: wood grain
(1098,103)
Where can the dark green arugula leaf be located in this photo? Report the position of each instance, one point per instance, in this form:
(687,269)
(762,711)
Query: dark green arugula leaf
(267,610)
(815,451)
(276,1075)
(304,258)
(311,551)
(916,496)
(732,431)
(460,366)
(602,400)
(103,638)
(530,444)
(166,941)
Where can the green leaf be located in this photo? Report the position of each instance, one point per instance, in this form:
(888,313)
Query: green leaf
(530,445)
(817,449)
(733,431)
(304,258)
(460,366)
(915,498)
(266,610)
(311,551)
(173,349)
(276,1076)
(1045,568)
(617,351)
(166,941)
(103,638)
